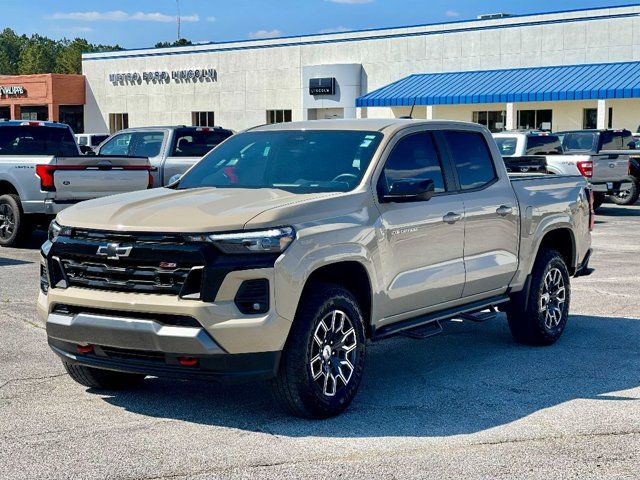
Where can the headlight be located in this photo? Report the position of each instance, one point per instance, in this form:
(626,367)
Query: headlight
(275,240)
(56,230)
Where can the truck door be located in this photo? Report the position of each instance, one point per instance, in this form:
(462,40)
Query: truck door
(491,214)
(421,248)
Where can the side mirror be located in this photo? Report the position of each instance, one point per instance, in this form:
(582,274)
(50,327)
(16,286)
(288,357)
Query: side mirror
(86,150)
(175,178)
(409,190)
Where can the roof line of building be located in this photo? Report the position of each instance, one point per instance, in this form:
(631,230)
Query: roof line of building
(268,43)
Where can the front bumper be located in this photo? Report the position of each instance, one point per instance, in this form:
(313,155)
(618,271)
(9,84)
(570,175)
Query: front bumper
(218,367)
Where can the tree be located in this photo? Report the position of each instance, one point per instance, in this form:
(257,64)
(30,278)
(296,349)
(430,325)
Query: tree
(69,59)
(11,46)
(39,55)
(177,43)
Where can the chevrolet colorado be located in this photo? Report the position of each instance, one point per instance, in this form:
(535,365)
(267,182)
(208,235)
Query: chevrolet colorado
(289,247)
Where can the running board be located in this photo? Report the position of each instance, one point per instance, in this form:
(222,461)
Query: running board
(429,330)
(417,322)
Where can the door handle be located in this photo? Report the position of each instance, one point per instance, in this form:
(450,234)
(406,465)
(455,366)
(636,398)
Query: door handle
(504,210)
(451,218)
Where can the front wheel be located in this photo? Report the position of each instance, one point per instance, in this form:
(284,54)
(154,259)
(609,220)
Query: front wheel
(629,196)
(322,363)
(541,318)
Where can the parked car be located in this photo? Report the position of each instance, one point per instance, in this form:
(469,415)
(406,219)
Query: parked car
(87,142)
(171,150)
(288,247)
(42,172)
(606,170)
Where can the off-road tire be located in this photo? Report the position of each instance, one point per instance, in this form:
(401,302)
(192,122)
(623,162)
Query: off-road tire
(527,321)
(21,228)
(102,379)
(631,196)
(294,386)
(598,199)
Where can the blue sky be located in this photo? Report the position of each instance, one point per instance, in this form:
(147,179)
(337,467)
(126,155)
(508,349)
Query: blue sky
(141,23)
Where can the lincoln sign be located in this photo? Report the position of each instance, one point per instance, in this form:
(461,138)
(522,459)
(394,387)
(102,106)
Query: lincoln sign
(162,76)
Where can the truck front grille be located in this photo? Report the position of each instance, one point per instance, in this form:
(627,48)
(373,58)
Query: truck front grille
(124,278)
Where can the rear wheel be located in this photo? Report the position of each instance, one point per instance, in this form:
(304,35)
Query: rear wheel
(541,318)
(322,363)
(598,199)
(628,196)
(14,227)
(102,379)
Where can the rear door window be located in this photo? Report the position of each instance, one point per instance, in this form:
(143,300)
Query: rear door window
(197,142)
(117,145)
(616,140)
(543,145)
(507,146)
(579,141)
(472,158)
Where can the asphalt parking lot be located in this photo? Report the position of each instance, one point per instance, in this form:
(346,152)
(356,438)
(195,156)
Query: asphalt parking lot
(467,404)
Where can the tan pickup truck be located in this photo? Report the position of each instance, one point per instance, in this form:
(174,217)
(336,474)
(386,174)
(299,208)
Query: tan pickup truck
(289,247)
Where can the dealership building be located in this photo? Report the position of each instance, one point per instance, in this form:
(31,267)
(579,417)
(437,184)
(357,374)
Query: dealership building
(555,71)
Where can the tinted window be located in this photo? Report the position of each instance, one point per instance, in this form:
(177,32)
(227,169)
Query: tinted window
(414,157)
(82,140)
(98,139)
(27,140)
(579,141)
(472,158)
(117,145)
(147,144)
(543,145)
(507,146)
(194,143)
(302,161)
(616,140)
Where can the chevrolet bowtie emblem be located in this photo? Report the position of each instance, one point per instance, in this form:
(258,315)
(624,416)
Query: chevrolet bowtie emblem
(113,251)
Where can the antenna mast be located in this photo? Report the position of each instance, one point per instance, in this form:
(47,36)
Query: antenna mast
(178,17)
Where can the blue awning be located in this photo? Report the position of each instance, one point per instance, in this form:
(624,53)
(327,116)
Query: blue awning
(540,84)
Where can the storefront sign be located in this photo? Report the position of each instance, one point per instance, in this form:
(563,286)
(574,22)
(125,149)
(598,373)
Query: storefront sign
(12,91)
(163,76)
(322,86)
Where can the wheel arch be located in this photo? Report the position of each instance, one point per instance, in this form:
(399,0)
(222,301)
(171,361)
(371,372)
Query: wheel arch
(563,241)
(6,187)
(349,274)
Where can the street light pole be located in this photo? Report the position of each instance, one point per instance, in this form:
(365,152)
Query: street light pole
(178,17)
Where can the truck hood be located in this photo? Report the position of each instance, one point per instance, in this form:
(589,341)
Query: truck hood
(168,210)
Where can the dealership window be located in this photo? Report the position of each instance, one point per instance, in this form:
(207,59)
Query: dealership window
(202,119)
(590,118)
(118,121)
(535,119)
(278,116)
(494,120)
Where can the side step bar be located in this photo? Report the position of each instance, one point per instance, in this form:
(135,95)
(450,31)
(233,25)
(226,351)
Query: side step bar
(462,311)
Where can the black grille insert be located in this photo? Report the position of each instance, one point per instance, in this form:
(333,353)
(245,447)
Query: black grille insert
(126,278)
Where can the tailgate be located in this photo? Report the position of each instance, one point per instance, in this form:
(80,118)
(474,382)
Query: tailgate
(84,178)
(610,167)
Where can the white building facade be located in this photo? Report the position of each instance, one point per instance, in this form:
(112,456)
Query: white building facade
(241,84)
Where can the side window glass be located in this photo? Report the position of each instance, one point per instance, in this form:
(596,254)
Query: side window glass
(147,144)
(118,145)
(414,157)
(472,158)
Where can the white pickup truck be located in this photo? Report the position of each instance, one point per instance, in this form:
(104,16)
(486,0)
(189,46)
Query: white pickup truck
(606,170)
(42,172)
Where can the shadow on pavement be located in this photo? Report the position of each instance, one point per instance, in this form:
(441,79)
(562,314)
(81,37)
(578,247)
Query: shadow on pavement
(9,262)
(469,379)
(612,210)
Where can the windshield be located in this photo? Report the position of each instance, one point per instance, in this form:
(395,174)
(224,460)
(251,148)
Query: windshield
(197,142)
(507,145)
(37,140)
(304,161)
(543,145)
